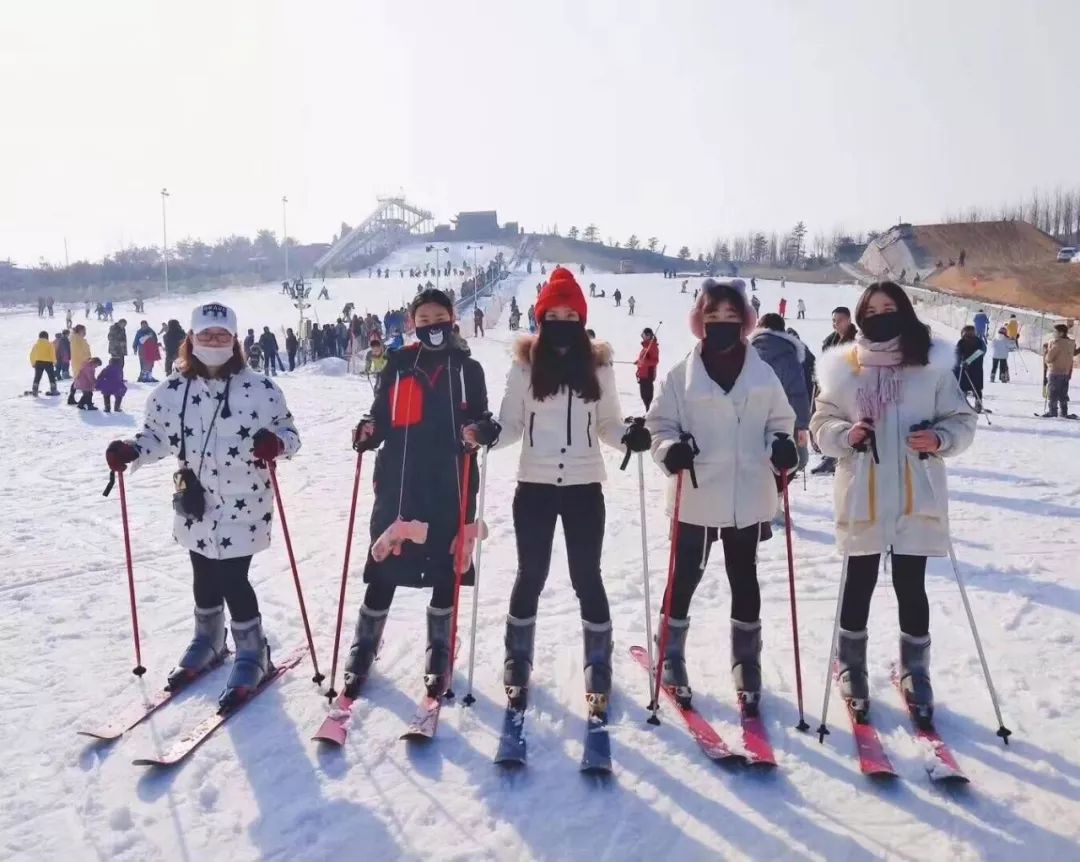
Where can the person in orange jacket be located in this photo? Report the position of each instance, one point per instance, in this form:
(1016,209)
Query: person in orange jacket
(647,361)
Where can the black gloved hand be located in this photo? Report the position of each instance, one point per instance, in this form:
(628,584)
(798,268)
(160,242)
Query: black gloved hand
(119,454)
(679,457)
(637,438)
(487,430)
(364,437)
(785,455)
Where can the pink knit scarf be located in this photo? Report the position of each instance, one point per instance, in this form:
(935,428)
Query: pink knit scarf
(884,386)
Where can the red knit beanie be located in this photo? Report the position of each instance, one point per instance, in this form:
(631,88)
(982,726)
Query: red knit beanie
(561,289)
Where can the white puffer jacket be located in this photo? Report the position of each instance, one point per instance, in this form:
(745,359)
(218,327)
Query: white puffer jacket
(735,433)
(560,435)
(901,501)
(239,499)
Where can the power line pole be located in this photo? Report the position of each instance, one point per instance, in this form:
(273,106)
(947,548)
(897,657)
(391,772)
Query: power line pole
(165,239)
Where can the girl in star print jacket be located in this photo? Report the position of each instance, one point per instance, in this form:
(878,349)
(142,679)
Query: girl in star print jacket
(223,422)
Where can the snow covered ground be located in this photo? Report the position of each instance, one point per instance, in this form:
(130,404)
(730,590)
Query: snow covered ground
(261,790)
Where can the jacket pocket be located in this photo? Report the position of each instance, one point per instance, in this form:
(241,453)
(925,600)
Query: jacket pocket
(532,422)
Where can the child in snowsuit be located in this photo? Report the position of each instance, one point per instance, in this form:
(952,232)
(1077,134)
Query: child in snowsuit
(85,382)
(110,384)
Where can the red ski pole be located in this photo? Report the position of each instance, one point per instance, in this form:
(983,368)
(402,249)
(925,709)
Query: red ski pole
(459,565)
(802,725)
(331,694)
(272,465)
(138,670)
(655,704)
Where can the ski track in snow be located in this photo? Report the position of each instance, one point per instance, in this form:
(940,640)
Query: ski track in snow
(260,789)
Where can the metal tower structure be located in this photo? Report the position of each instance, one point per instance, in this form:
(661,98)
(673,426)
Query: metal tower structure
(392,223)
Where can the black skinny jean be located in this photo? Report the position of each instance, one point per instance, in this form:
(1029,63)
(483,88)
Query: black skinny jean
(740,561)
(909,582)
(645,387)
(217,581)
(581,507)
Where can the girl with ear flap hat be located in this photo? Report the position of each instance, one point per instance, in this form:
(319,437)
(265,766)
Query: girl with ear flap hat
(722,413)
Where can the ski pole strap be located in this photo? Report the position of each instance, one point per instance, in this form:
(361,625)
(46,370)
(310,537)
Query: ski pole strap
(632,421)
(109,487)
(687,437)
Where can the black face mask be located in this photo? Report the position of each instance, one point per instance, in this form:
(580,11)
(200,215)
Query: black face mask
(722,335)
(562,333)
(882,327)
(435,336)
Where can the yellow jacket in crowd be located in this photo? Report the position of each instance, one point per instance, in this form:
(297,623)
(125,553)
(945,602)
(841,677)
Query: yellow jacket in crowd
(42,351)
(80,352)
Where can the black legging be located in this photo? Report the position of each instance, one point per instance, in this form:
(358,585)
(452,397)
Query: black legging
(740,560)
(909,581)
(646,389)
(216,581)
(380,595)
(536,508)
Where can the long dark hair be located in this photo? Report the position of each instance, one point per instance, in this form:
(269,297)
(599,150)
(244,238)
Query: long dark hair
(191,367)
(576,368)
(914,334)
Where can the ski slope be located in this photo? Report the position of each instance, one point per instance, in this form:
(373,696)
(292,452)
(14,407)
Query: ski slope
(260,789)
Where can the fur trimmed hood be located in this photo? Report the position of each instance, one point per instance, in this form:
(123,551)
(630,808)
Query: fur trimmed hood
(525,346)
(839,363)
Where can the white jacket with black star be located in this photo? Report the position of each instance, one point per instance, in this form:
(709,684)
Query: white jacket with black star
(239,498)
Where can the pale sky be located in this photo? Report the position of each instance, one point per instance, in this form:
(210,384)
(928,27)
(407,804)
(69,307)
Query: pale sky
(684,119)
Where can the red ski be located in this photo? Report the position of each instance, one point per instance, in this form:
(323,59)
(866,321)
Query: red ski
(942,767)
(873,760)
(137,714)
(708,739)
(186,744)
(759,751)
(335,726)
(425,721)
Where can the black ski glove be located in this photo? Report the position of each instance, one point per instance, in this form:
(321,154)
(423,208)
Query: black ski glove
(785,455)
(679,457)
(487,430)
(364,436)
(637,438)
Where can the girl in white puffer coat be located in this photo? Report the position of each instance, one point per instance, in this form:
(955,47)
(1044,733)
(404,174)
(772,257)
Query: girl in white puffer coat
(723,414)
(892,396)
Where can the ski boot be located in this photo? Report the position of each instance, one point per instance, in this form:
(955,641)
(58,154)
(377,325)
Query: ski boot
(598,649)
(365,648)
(517,666)
(250,667)
(851,671)
(674,673)
(437,659)
(827,467)
(207,648)
(746,663)
(915,678)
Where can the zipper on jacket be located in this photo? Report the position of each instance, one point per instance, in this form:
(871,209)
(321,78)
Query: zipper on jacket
(532,422)
(588,430)
(569,404)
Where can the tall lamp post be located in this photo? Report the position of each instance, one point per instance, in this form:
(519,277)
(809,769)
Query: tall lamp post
(285,234)
(438,269)
(165,239)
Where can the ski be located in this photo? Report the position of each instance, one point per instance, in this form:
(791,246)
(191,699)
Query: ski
(755,738)
(425,720)
(186,744)
(511,750)
(596,756)
(708,739)
(335,726)
(942,767)
(137,714)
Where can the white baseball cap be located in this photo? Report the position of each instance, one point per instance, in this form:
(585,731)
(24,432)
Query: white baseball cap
(212,315)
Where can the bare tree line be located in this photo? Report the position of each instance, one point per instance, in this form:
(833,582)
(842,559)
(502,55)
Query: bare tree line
(1054,212)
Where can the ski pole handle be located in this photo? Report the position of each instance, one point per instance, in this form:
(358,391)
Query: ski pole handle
(687,437)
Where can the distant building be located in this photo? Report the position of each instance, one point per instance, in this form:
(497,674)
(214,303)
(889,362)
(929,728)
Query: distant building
(474,226)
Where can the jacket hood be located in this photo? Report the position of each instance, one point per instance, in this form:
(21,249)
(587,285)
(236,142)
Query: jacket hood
(525,346)
(772,340)
(839,363)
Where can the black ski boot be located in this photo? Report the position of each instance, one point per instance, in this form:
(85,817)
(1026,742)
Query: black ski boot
(207,647)
(437,660)
(365,647)
(826,468)
(251,665)
(915,678)
(674,673)
(746,663)
(851,671)
(598,649)
(517,666)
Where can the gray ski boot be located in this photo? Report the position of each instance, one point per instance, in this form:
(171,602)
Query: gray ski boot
(437,658)
(207,648)
(598,649)
(365,647)
(915,678)
(851,671)
(674,674)
(746,663)
(517,666)
(251,665)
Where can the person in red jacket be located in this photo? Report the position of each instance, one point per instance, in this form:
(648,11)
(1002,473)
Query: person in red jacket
(647,361)
(783,306)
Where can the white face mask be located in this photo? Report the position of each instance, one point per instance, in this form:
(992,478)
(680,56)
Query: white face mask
(212,357)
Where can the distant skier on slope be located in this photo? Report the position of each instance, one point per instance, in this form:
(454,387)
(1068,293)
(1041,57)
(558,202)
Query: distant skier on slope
(424,395)
(970,350)
(646,363)
(1059,366)
(800,306)
(740,412)
(891,397)
(224,506)
(999,351)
